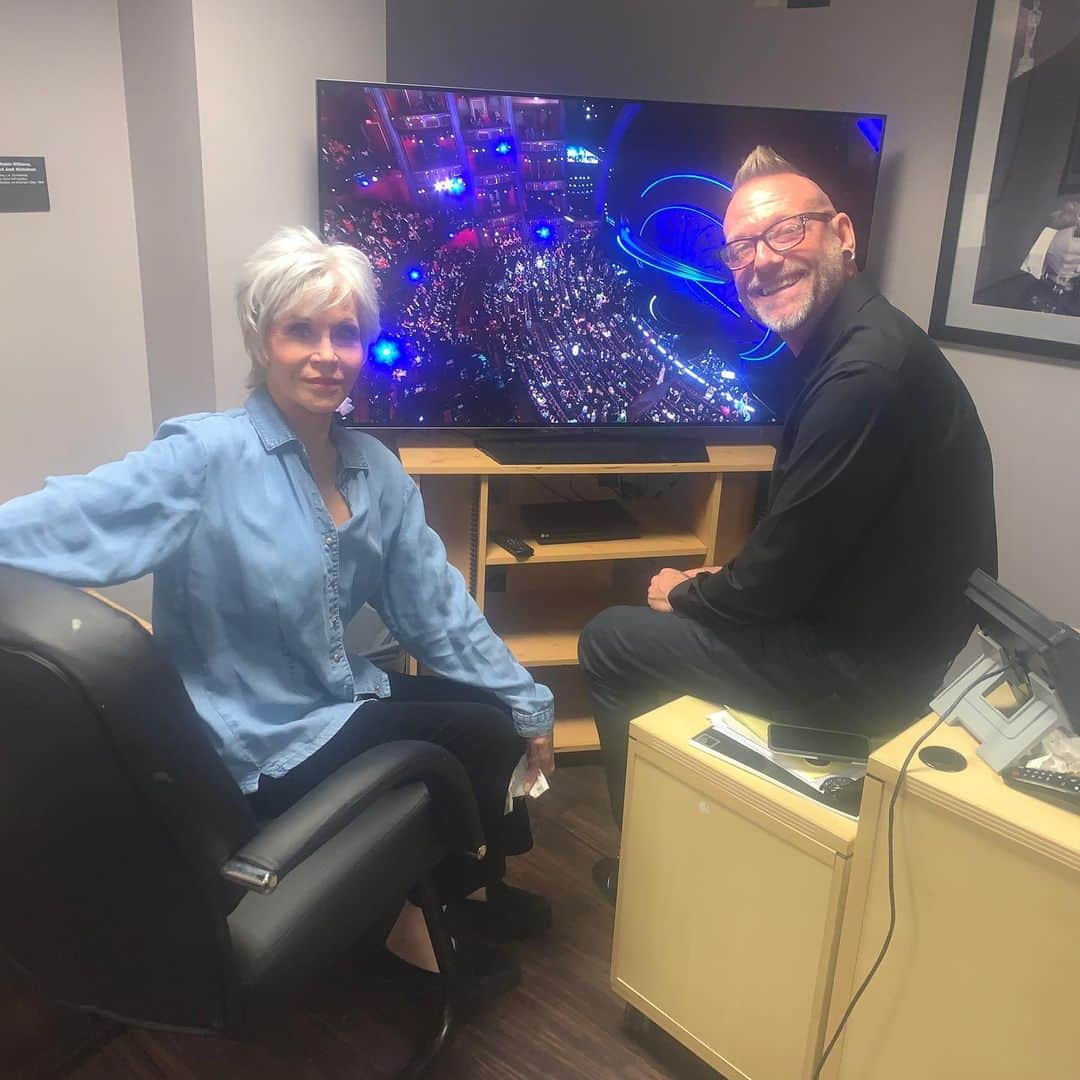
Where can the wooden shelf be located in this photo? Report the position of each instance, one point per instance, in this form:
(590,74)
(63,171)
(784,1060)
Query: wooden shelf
(540,614)
(574,734)
(541,647)
(540,636)
(468,461)
(652,545)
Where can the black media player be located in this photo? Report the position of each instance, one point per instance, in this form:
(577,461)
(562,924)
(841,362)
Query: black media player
(574,522)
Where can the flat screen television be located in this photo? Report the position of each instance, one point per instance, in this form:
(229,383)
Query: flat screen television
(551,263)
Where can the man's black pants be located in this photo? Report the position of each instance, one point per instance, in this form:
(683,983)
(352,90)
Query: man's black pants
(638,659)
(472,724)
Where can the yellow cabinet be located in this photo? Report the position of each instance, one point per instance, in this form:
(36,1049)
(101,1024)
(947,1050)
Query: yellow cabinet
(730,902)
(980,979)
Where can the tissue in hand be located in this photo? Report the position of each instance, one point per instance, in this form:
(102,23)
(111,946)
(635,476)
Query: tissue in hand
(517,781)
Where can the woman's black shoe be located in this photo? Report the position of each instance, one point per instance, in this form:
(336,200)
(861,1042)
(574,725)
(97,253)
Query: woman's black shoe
(508,914)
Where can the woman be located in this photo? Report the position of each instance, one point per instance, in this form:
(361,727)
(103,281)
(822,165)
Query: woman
(267,528)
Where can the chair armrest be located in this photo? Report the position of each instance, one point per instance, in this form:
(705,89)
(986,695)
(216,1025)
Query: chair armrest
(120,607)
(285,842)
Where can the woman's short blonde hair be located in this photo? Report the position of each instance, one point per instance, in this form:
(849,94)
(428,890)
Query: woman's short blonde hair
(294,265)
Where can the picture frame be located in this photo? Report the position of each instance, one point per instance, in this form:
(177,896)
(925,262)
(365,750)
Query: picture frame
(1009,269)
(1070,175)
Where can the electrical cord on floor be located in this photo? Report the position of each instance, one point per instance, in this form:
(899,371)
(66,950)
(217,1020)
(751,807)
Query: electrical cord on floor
(892,870)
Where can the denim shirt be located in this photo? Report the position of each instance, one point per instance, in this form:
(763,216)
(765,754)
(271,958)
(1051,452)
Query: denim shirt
(254,584)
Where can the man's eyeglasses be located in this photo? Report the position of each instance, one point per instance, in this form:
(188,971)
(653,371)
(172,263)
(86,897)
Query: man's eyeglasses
(781,236)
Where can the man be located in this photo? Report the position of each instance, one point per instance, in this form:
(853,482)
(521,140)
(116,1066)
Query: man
(845,606)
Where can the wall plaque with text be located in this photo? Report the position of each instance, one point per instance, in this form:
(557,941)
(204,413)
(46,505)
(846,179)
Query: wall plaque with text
(23,186)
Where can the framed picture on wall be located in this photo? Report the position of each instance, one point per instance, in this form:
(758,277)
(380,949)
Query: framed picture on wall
(1009,272)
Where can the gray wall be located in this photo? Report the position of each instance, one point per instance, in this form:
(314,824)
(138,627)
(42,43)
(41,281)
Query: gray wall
(158,49)
(74,376)
(221,101)
(74,364)
(257,62)
(904,59)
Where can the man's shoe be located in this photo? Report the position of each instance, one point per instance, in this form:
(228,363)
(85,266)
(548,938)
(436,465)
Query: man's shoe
(605,873)
(508,914)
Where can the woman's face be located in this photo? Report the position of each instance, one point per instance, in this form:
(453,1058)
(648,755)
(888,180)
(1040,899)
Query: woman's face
(313,356)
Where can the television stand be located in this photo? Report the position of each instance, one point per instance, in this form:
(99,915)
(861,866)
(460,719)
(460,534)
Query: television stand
(688,514)
(598,449)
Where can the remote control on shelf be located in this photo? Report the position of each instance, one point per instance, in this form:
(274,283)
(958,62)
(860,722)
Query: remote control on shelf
(514,544)
(1061,789)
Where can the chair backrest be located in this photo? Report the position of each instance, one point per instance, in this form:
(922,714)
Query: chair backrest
(116,814)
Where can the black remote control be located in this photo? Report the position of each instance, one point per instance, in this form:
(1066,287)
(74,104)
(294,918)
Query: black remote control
(1061,789)
(514,544)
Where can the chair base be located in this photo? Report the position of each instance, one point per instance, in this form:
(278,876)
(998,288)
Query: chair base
(443,947)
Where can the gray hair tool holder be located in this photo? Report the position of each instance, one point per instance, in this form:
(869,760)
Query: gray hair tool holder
(1003,739)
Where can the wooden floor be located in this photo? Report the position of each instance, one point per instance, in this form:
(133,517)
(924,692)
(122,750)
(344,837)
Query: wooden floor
(564,1020)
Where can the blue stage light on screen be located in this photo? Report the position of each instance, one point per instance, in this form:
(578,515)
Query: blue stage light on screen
(415,274)
(503,147)
(385,351)
(873,130)
(543,232)
(704,177)
(454,185)
(766,341)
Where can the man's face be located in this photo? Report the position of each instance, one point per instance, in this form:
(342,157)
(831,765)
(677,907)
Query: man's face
(789,291)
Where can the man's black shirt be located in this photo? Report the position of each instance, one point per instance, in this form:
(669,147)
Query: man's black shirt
(881,503)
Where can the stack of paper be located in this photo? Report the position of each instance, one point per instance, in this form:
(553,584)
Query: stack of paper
(752,731)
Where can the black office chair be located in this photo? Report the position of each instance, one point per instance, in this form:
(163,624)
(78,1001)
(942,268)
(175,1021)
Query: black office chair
(138,885)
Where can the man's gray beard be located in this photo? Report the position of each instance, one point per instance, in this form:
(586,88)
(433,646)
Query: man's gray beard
(827,284)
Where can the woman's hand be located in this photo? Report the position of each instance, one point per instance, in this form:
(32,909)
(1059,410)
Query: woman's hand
(539,757)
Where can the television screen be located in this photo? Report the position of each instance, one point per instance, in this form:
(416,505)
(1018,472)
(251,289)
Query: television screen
(551,260)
